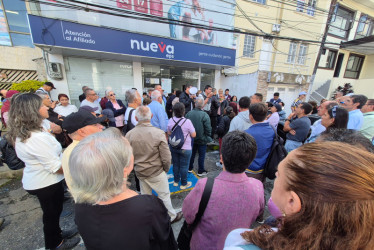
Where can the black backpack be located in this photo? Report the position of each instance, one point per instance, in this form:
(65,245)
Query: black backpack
(276,155)
(127,127)
(176,139)
(9,156)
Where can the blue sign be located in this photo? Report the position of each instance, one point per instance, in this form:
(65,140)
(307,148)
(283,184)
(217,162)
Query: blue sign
(53,32)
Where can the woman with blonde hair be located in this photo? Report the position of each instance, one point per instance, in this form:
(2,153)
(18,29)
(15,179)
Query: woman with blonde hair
(327,201)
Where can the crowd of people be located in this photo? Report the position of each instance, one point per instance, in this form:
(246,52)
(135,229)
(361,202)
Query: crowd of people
(323,196)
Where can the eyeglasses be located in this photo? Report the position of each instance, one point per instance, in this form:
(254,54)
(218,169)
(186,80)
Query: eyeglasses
(93,94)
(112,94)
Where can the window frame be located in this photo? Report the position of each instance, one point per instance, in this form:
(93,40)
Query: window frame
(263,2)
(301,59)
(369,21)
(333,62)
(306,6)
(349,22)
(10,32)
(292,54)
(249,53)
(360,66)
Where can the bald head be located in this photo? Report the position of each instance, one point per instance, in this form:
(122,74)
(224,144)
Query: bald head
(326,106)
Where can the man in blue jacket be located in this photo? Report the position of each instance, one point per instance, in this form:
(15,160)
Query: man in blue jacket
(264,136)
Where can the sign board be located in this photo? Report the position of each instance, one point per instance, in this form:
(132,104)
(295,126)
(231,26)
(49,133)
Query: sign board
(86,37)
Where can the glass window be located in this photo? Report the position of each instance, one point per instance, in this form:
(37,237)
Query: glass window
(302,54)
(330,62)
(308,6)
(99,75)
(292,53)
(4,34)
(260,1)
(21,40)
(249,46)
(207,77)
(341,22)
(365,27)
(354,66)
(177,76)
(16,14)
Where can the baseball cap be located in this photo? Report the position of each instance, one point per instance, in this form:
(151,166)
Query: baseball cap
(109,114)
(88,108)
(50,85)
(80,119)
(302,93)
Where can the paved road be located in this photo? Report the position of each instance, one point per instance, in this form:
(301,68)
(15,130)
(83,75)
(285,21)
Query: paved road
(23,217)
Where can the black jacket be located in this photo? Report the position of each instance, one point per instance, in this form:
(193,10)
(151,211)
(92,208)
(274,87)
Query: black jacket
(116,112)
(223,126)
(186,100)
(214,106)
(223,105)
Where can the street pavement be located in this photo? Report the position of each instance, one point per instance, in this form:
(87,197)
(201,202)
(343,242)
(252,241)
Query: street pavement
(23,228)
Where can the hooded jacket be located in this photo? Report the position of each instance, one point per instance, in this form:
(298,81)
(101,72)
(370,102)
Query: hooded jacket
(240,122)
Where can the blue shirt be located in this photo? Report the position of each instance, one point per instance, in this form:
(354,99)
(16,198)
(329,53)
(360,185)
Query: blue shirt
(355,119)
(317,129)
(264,137)
(160,118)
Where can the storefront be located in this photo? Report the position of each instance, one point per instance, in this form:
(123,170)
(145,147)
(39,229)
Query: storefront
(104,58)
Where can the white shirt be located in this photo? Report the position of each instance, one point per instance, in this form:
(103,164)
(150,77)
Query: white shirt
(65,110)
(41,154)
(127,113)
(92,105)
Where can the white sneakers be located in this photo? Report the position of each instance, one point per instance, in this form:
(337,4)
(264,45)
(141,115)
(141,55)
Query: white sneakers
(189,184)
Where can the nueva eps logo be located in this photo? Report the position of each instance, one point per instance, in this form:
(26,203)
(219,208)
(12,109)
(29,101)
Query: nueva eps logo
(154,47)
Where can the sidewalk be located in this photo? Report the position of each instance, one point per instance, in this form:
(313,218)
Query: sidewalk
(23,228)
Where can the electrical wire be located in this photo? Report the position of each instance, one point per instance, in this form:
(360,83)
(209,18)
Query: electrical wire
(140,16)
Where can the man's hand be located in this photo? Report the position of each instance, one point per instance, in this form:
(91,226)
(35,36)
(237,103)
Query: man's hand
(210,95)
(56,128)
(292,132)
(53,105)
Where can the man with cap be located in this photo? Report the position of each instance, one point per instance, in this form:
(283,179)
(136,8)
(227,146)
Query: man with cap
(78,125)
(298,100)
(276,98)
(46,89)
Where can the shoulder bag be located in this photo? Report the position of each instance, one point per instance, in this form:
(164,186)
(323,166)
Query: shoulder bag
(185,235)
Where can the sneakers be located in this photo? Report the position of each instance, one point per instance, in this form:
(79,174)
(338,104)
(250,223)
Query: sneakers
(204,173)
(69,233)
(190,171)
(175,184)
(178,217)
(189,184)
(219,164)
(68,243)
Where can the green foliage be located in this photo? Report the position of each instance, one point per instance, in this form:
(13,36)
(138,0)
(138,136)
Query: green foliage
(27,86)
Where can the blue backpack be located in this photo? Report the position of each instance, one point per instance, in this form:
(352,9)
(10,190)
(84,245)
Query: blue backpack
(176,139)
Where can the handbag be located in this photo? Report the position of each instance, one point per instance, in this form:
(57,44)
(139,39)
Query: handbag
(185,234)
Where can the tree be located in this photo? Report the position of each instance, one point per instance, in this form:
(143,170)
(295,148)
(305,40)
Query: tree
(27,85)
(346,89)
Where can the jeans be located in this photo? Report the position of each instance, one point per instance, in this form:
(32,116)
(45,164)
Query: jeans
(51,200)
(291,145)
(181,161)
(202,150)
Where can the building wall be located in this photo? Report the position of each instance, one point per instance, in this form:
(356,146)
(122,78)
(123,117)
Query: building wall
(240,85)
(20,58)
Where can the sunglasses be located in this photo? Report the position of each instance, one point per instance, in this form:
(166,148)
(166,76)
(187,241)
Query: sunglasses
(112,94)
(334,111)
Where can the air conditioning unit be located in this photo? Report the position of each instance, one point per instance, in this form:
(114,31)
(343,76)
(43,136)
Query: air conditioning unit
(276,28)
(54,70)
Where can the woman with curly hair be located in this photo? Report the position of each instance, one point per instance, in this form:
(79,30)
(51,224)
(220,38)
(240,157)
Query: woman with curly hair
(327,201)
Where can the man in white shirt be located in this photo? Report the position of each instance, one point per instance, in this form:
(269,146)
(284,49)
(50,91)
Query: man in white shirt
(91,97)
